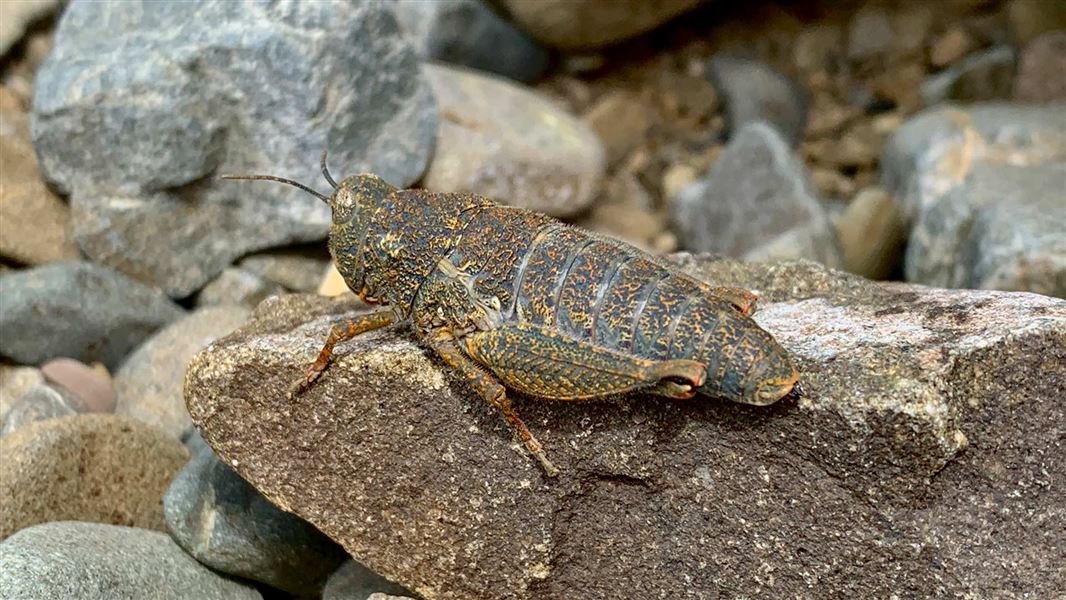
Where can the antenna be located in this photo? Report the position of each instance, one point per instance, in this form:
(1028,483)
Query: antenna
(281,180)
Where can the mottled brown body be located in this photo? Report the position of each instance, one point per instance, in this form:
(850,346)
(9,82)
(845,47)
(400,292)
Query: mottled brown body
(515,299)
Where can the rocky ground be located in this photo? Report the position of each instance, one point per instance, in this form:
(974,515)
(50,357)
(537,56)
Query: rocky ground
(890,178)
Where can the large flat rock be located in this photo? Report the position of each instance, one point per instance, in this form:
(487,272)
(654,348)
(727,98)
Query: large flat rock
(921,459)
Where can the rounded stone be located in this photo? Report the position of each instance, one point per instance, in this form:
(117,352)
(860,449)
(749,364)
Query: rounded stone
(93,561)
(100,468)
(506,142)
(90,388)
(224,523)
(871,233)
(585,24)
(353,581)
(149,384)
(80,310)
(471,34)
(40,403)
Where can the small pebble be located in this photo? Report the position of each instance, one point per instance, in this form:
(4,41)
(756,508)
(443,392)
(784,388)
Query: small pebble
(92,390)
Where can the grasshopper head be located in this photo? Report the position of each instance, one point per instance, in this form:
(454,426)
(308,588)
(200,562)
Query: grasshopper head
(352,201)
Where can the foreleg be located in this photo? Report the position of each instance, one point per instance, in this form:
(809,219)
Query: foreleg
(337,334)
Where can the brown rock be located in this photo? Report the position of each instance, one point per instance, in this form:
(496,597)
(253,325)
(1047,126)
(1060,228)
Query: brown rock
(952,45)
(16,16)
(332,283)
(832,183)
(869,33)
(99,468)
(1031,18)
(859,146)
(620,120)
(1042,71)
(861,486)
(149,382)
(910,25)
(34,222)
(677,177)
(583,24)
(90,388)
(871,234)
(818,47)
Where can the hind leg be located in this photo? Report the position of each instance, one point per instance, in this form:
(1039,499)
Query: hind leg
(493,392)
(542,362)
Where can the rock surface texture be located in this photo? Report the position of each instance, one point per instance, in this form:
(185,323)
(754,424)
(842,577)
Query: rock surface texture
(983,189)
(504,141)
(92,561)
(100,468)
(922,457)
(141,105)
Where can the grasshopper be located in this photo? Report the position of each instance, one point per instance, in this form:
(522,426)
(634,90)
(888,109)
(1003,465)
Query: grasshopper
(513,299)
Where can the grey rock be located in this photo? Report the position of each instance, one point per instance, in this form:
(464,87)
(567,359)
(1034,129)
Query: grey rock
(298,269)
(39,403)
(814,240)
(92,561)
(353,581)
(504,141)
(1003,228)
(925,427)
(225,524)
(237,287)
(78,310)
(986,75)
(982,191)
(754,91)
(191,77)
(149,384)
(756,192)
(468,33)
(195,443)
